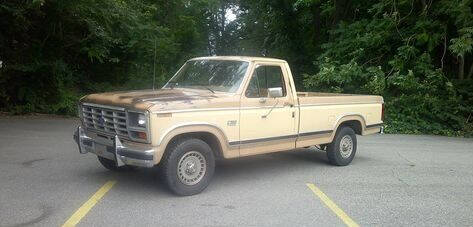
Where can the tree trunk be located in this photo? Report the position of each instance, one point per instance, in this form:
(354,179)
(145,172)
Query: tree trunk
(341,8)
(461,68)
(220,21)
(470,73)
(424,4)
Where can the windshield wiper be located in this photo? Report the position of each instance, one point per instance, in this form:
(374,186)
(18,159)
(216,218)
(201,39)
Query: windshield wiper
(210,90)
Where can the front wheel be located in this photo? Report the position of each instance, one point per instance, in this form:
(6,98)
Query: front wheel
(188,166)
(343,148)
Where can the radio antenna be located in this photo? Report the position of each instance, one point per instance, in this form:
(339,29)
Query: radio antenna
(154,64)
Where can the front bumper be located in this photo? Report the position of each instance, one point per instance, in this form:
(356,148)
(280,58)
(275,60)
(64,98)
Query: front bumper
(114,150)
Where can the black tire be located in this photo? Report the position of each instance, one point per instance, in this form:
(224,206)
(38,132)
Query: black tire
(182,182)
(335,153)
(111,165)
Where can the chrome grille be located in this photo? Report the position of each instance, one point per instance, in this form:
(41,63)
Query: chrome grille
(105,119)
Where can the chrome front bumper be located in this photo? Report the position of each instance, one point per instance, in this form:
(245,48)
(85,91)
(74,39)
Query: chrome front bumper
(114,150)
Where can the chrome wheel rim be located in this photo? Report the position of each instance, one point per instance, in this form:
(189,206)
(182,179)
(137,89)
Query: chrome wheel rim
(346,146)
(191,168)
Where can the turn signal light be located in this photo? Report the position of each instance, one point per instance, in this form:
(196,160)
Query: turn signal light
(141,135)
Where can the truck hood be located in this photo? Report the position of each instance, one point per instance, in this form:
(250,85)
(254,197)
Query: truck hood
(163,99)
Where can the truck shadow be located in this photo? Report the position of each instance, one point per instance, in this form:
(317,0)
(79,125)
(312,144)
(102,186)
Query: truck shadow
(275,163)
(235,171)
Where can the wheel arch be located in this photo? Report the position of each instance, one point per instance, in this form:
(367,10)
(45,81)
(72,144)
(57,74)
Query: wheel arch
(355,121)
(211,134)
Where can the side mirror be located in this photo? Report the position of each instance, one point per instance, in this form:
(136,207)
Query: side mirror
(275,92)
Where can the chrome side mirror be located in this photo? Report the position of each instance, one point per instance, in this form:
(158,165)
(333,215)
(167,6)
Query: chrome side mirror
(275,92)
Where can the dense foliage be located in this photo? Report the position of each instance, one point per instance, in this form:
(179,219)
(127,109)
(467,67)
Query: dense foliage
(55,51)
(416,53)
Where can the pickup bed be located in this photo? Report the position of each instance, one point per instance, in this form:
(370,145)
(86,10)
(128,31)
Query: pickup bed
(221,107)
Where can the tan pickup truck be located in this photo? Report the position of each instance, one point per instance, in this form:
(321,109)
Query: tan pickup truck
(221,107)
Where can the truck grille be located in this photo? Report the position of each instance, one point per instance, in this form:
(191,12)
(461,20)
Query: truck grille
(105,119)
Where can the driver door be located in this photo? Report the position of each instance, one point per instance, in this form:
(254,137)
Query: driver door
(267,124)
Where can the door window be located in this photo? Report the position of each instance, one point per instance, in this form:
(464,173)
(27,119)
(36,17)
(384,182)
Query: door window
(265,77)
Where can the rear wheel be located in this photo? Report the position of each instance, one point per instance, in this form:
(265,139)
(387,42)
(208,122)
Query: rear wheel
(111,165)
(188,166)
(343,148)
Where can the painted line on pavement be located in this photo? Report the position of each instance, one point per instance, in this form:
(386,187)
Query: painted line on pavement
(85,208)
(330,204)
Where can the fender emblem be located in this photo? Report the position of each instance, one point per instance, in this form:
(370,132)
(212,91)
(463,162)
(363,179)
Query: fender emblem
(231,123)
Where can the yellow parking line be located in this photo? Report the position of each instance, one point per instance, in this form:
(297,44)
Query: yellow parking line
(330,204)
(85,208)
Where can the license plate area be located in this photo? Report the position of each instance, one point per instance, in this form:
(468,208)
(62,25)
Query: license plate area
(104,139)
(100,148)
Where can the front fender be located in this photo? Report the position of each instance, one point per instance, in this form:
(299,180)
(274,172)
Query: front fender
(228,151)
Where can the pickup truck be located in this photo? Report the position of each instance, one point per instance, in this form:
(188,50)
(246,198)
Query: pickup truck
(221,107)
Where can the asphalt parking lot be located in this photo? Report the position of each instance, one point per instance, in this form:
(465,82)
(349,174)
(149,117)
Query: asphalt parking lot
(395,180)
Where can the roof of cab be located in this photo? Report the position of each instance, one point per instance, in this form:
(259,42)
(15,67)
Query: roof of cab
(239,58)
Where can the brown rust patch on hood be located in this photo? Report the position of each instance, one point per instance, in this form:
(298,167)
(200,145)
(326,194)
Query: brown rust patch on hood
(163,99)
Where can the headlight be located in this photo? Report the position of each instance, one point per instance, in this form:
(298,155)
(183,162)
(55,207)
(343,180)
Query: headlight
(138,126)
(137,119)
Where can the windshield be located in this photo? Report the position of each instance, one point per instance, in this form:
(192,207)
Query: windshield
(212,75)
